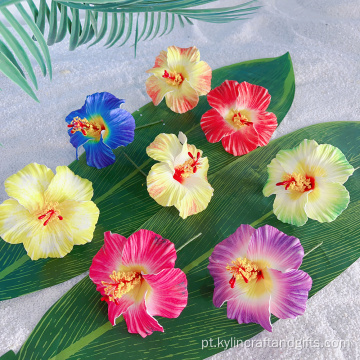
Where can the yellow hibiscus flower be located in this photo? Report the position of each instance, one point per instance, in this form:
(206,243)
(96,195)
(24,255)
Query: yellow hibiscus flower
(180,178)
(48,213)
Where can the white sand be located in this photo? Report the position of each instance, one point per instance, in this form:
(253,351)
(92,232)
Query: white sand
(323,38)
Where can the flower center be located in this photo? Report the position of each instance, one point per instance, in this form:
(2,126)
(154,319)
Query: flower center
(50,214)
(239,119)
(188,168)
(244,269)
(120,284)
(173,78)
(298,182)
(91,128)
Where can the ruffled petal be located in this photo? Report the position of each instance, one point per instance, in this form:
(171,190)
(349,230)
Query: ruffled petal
(289,206)
(149,250)
(197,196)
(278,250)
(98,154)
(99,103)
(165,147)
(138,320)
(77,139)
(162,187)
(67,186)
(15,222)
(328,162)
(160,64)
(28,185)
(182,98)
(81,113)
(199,76)
(223,98)
(81,217)
(248,310)
(168,295)
(242,141)
(276,174)
(178,58)
(215,126)
(290,293)
(327,201)
(252,97)
(107,260)
(120,126)
(116,309)
(156,87)
(265,123)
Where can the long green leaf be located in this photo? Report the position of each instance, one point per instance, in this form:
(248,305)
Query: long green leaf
(53,24)
(6,51)
(120,190)
(75,30)
(76,327)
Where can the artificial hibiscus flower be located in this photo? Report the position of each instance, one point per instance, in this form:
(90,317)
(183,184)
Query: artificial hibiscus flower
(256,272)
(137,279)
(100,126)
(239,117)
(180,178)
(307,181)
(48,213)
(181,77)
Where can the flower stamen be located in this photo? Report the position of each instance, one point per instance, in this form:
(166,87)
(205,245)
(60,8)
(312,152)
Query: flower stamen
(173,78)
(298,182)
(50,215)
(244,269)
(85,126)
(188,168)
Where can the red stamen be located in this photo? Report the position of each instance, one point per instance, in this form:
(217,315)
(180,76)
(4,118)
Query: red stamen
(198,155)
(232,282)
(166,75)
(260,275)
(195,169)
(191,155)
(50,213)
(70,125)
(83,131)
(60,217)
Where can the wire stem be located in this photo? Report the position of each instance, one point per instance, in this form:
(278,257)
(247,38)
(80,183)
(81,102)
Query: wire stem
(188,242)
(134,164)
(150,124)
(313,249)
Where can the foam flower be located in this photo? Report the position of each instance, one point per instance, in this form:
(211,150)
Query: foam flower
(137,279)
(48,213)
(307,181)
(181,77)
(180,177)
(238,117)
(256,272)
(100,126)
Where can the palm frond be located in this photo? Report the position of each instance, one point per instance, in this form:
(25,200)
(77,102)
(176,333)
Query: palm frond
(116,21)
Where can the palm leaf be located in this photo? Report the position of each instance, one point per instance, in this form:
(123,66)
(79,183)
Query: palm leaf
(76,327)
(121,30)
(120,190)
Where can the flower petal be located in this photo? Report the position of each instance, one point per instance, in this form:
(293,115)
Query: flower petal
(327,201)
(165,147)
(77,139)
(67,186)
(242,141)
(181,57)
(15,222)
(223,98)
(289,206)
(81,217)
(157,88)
(162,187)
(290,293)
(160,64)
(276,174)
(99,103)
(329,162)
(199,76)
(115,310)
(107,260)
(215,126)
(182,98)
(265,123)
(98,154)
(138,320)
(81,113)
(278,250)
(120,126)
(28,185)
(149,250)
(168,295)
(197,196)
(253,97)
(248,309)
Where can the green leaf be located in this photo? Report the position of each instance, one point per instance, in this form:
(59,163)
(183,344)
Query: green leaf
(76,327)
(120,190)
(75,30)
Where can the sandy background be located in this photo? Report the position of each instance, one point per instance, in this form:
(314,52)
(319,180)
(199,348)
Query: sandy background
(323,38)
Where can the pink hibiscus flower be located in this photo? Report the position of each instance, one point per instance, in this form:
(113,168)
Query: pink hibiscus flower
(238,117)
(256,272)
(137,279)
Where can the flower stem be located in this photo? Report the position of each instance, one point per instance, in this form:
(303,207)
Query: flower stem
(150,124)
(134,164)
(188,242)
(313,248)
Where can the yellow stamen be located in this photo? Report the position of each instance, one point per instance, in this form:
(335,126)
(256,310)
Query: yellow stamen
(244,269)
(297,182)
(121,283)
(173,78)
(91,128)
(239,118)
